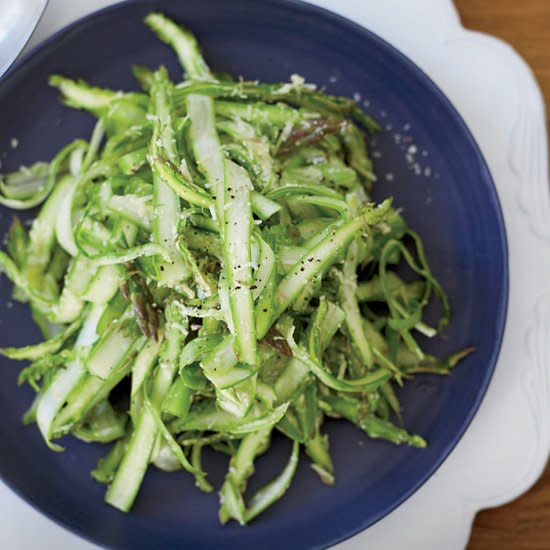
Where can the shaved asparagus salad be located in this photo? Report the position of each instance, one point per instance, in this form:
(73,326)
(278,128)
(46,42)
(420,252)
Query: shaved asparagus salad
(207,270)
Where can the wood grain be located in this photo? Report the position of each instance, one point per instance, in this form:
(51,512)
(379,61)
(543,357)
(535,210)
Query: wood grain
(525,24)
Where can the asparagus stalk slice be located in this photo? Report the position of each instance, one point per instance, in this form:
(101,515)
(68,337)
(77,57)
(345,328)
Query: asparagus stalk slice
(50,346)
(166,207)
(186,190)
(81,95)
(107,466)
(375,427)
(65,380)
(113,347)
(143,364)
(294,94)
(207,150)
(237,260)
(126,483)
(241,468)
(322,256)
(92,389)
(369,382)
(26,188)
(183,42)
(275,489)
(348,302)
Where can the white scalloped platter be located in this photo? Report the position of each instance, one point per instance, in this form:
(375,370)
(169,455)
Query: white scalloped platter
(507,445)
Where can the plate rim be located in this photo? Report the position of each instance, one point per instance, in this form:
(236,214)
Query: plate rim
(501,317)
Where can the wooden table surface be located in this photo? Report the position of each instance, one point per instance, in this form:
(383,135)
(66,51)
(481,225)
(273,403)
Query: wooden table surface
(525,24)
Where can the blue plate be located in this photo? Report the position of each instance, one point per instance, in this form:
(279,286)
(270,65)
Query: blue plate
(425,157)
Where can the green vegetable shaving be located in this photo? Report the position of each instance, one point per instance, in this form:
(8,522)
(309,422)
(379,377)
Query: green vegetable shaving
(209,269)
